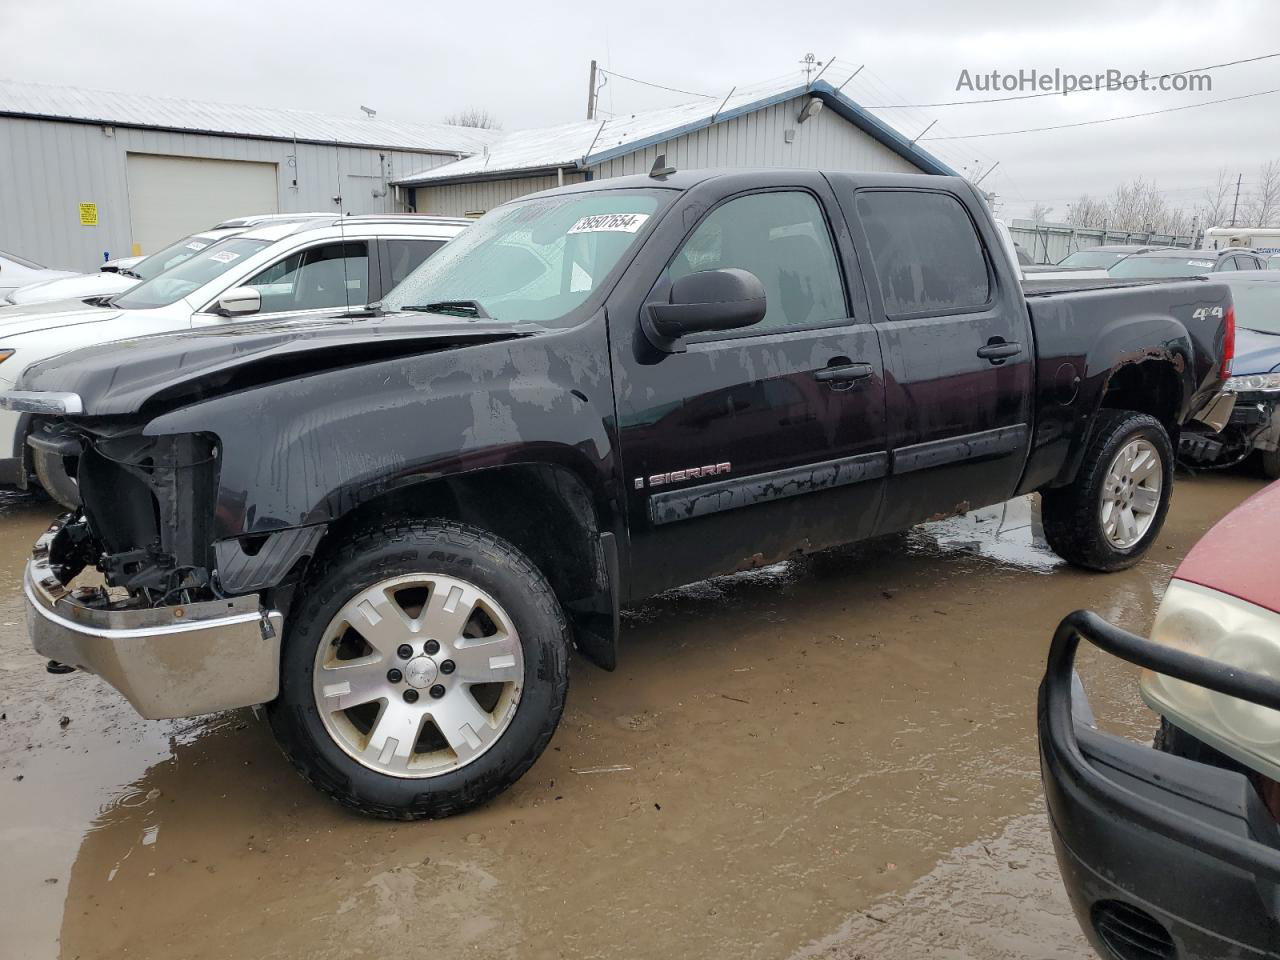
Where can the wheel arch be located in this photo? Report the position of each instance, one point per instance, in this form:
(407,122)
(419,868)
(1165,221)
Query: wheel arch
(547,510)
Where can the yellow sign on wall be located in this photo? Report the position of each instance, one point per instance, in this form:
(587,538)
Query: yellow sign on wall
(88,214)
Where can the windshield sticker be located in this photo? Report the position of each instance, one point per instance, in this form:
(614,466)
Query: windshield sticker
(1199,263)
(196,245)
(224,256)
(610,223)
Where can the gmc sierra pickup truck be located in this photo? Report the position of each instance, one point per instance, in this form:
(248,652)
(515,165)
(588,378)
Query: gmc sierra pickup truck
(391,528)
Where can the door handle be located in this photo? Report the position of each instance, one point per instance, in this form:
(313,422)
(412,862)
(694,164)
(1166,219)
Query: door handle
(845,373)
(998,351)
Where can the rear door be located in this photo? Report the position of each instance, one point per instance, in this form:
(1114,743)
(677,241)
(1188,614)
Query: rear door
(751,443)
(957,350)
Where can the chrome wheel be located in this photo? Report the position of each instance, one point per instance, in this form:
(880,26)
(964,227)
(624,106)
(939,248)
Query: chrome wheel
(417,676)
(1131,495)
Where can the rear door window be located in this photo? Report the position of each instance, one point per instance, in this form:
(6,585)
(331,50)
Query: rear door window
(927,254)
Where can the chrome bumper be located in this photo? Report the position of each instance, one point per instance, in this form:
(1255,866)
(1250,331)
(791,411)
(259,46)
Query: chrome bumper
(179,661)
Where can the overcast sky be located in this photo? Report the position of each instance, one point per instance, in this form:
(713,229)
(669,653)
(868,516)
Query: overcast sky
(527,63)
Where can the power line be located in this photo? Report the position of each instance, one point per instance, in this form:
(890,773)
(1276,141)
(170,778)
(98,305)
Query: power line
(647,83)
(1090,123)
(1056,93)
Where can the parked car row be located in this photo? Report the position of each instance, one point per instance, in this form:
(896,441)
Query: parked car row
(387,510)
(253,267)
(117,276)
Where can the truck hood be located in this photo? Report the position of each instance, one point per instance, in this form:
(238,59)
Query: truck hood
(73,288)
(163,371)
(1255,352)
(32,318)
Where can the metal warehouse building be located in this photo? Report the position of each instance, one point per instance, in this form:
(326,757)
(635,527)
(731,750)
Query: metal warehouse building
(89,175)
(783,125)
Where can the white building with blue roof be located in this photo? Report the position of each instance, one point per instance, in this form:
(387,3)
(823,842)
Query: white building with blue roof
(784,124)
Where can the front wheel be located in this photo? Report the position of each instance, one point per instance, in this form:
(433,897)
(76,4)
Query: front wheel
(1271,464)
(424,670)
(1108,517)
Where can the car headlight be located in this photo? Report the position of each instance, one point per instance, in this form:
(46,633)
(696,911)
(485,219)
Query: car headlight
(1254,383)
(1232,631)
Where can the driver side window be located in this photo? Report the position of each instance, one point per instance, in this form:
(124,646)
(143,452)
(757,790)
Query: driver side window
(782,238)
(334,275)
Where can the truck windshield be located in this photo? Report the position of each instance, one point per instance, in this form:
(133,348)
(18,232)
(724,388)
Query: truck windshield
(1257,304)
(1151,267)
(172,285)
(532,260)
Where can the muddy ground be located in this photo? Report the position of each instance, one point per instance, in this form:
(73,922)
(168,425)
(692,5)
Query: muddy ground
(828,758)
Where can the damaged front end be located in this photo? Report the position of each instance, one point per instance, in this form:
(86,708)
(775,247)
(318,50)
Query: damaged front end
(157,624)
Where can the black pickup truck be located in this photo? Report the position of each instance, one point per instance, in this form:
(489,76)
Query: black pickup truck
(391,528)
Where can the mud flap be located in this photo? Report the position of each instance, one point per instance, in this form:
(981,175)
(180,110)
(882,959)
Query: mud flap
(595,631)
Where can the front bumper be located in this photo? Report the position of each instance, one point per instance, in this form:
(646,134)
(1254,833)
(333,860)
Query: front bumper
(1162,857)
(169,661)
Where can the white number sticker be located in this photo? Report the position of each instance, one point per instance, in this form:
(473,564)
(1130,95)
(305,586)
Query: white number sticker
(1199,263)
(224,256)
(610,223)
(196,245)
(1203,312)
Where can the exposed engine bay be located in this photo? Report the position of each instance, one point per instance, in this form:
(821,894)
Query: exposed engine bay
(146,519)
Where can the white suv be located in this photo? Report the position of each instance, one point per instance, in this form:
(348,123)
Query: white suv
(336,264)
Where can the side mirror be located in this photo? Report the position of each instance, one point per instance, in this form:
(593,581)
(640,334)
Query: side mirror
(702,303)
(239,302)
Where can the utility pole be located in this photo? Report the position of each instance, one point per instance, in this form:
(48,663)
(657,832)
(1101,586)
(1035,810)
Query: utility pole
(591,93)
(1236,206)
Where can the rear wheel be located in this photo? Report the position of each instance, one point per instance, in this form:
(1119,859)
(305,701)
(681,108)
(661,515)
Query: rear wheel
(1110,515)
(424,670)
(51,473)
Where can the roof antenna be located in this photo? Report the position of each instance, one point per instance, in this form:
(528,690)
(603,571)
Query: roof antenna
(660,169)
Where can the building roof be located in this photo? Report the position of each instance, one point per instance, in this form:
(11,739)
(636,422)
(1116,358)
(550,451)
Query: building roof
(585,143)
(45,101)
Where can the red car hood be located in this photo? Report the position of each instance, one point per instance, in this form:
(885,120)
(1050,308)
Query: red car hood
(1239,554)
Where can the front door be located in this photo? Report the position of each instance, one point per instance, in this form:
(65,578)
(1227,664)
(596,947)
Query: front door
(957,353)
(752,443)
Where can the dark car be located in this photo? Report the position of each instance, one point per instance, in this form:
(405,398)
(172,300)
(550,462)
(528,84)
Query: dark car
(1186,263)
(391,528)
(1173,853)
(1255,379)
(1106,256)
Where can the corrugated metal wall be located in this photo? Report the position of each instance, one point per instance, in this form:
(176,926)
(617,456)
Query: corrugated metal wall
(826,141)
(52,167)
(460,199)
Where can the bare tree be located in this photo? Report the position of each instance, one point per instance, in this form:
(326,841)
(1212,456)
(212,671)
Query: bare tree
(474,117)
(1040,213)
(1087,212)
(1262,209)
(1214,208)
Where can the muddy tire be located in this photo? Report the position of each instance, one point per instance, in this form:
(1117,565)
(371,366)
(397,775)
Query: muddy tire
(1108,517)
(1271,464)
(424,670)
(51,474)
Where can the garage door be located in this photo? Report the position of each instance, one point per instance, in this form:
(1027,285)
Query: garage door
(170,197)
